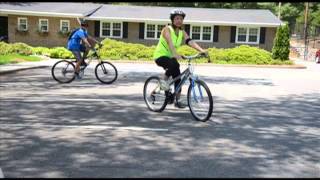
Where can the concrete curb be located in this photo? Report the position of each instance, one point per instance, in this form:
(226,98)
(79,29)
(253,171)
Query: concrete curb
(295,66)
(20,69)
(34,66)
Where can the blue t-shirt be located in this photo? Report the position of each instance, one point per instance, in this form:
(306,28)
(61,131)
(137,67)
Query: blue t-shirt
(74,42)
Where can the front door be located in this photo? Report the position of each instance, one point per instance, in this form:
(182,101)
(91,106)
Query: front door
(4,28)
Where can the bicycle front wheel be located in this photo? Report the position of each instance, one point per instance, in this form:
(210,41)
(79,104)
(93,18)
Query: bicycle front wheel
(106,72)
(200,101)
(154,96)
(63,71)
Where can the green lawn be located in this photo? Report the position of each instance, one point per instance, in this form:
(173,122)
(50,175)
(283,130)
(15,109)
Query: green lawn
(16,58)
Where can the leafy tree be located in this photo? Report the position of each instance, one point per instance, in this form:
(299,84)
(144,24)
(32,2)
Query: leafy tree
(281,47)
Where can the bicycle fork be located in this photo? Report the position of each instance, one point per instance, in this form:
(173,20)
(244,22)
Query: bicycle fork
(193,88)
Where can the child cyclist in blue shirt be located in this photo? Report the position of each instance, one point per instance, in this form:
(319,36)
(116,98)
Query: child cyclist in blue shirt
(77,43)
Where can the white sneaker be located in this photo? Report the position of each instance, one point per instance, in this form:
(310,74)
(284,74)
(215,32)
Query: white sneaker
(164,85)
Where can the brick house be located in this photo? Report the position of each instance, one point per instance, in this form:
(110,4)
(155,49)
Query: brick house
(44,24)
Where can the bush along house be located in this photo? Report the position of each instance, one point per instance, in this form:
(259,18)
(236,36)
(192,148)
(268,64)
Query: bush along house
(49,24)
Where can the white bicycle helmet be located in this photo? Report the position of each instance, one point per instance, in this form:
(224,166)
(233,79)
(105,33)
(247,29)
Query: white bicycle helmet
(175,12)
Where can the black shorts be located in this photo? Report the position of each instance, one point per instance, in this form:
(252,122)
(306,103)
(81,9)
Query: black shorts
(171,65)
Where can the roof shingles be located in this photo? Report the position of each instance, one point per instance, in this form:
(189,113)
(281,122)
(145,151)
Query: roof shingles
(151,13)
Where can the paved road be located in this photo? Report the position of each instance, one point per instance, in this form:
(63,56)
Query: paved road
(265,124)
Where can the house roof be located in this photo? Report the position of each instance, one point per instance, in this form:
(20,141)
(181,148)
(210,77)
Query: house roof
(127,13)
(49,8)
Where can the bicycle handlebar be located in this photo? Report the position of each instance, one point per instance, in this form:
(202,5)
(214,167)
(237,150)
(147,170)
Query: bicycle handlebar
(95,49)
(199,55)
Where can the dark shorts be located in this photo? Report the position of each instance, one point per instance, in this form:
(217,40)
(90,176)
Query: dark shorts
(77,53)
(171,66)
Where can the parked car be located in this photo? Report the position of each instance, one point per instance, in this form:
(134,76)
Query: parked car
(318,56)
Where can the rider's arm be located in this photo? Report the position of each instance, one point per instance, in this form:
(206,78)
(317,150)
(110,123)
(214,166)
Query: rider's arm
(93,39)
(192,43)
(86,42)
(82,34)
(167,37)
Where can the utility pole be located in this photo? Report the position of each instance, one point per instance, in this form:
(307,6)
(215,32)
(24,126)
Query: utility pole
(306,31)
(279,10)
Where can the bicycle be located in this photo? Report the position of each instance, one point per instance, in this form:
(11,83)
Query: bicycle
(199,97)
(63,70)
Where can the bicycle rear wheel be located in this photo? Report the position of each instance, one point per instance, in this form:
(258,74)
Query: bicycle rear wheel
(154,96)
(63,71)
(106,72)
(200,101)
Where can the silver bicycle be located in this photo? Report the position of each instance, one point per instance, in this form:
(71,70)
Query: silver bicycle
(199,97)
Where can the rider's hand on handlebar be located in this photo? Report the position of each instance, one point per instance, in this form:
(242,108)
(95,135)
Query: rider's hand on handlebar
(177,56)
(204,53)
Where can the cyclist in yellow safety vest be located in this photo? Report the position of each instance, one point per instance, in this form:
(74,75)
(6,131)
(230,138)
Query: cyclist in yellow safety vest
(165,54)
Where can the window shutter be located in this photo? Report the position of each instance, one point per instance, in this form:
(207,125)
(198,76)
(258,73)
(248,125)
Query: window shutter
(215,33)
(125,30)
(262,35)
(141,30)
(233,34)
(187,28)
(97,28)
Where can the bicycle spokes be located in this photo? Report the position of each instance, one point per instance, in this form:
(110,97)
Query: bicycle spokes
(197,92)
(106,72)
(63,71)
(154,96)
(200,100)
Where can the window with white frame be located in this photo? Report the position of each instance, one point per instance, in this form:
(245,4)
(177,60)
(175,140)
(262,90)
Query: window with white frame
(111,29)
(248,35)
(196,32)
(43,25)
(242,34)
(206,33)
(64,25)
(160,27)
(116,30)
(22,24)
(201,33)
(253,34)
(153,31)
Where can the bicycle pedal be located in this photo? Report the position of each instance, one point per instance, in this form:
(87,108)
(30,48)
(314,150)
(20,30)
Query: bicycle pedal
(153,99)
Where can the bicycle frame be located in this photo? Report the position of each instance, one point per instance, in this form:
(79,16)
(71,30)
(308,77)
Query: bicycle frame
(95,56)
(186,74)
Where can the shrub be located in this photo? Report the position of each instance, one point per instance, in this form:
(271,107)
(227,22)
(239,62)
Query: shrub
(20,48)
(61,52)
(281,47)
(41,51)
(16,48)
(4,48)
(242,54)
(116,50)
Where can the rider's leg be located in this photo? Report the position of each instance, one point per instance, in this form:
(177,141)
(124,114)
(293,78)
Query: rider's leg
(164,62)
(77,55)
(176,72)
(85,53)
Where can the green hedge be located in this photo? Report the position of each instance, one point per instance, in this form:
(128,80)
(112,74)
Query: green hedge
(118,50)
(15,48)
(61,52)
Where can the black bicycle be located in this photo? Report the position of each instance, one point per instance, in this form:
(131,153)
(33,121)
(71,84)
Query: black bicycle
(199,97)
(63,71)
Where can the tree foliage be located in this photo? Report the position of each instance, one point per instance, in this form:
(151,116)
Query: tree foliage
(281,45)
